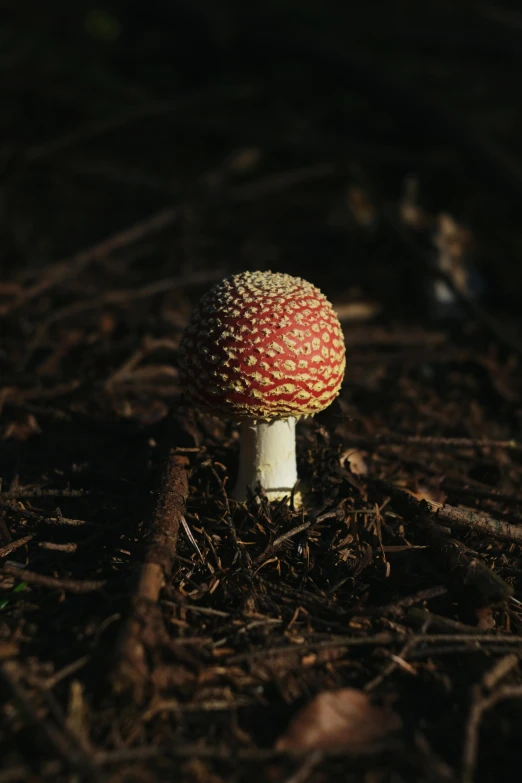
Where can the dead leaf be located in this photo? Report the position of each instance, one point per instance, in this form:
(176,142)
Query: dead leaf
(343,719)
(357,461)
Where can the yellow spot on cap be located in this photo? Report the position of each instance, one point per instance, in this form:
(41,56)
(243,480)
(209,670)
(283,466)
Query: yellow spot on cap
(240,376)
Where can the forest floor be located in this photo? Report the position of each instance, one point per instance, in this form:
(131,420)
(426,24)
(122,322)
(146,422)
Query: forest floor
(151,628)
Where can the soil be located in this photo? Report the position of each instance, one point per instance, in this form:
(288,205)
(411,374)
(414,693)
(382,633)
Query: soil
(151,628)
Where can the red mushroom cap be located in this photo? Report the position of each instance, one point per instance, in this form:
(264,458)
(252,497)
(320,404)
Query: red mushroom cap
(262,345)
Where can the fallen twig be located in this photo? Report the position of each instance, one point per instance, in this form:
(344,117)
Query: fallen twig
(71,267)
(117,297)
(58,520)
(12,545)
(430,442)
(449,515)
(67,585)
(53,680)
(281,181)
(466,577)
(42,492)
(145,623)
(472,491)
(154,108)
(420,618)
(291,533)
(58,739)
(484,698)
(186,750)
(378,640)
(399,607)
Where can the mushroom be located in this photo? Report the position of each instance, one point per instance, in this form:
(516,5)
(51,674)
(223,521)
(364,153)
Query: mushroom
(263,349)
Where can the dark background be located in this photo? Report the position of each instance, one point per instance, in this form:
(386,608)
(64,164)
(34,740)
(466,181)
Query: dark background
(146,150)
(111,111)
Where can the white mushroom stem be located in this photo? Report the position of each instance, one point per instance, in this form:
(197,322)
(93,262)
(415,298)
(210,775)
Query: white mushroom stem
(267,457)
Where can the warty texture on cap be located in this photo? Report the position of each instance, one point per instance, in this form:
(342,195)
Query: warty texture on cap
(263,345)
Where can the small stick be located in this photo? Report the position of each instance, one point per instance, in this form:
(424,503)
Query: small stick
(67,585)
(449,515)
(71,267)
(64,744)
(90,130)
(184,750)
(8,548)
(399,607)
(144,624)
(488,639)
(115,297)
(281,181)
(509,498)
(419,618)
(58,520)
(466,577)
(50,682)
(484,699)
(394,663)
(41,492)
(429,442)
(379,639)
(54,547)
(291,533)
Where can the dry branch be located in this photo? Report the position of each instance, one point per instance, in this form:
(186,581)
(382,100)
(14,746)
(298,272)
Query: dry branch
(67,585)
(8,548)
(144,626)
(468,578)
(486,695)
(420,618)
(449,515)
(47,734)
(430,442)
(115,297)
(71,267)
(24,513)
